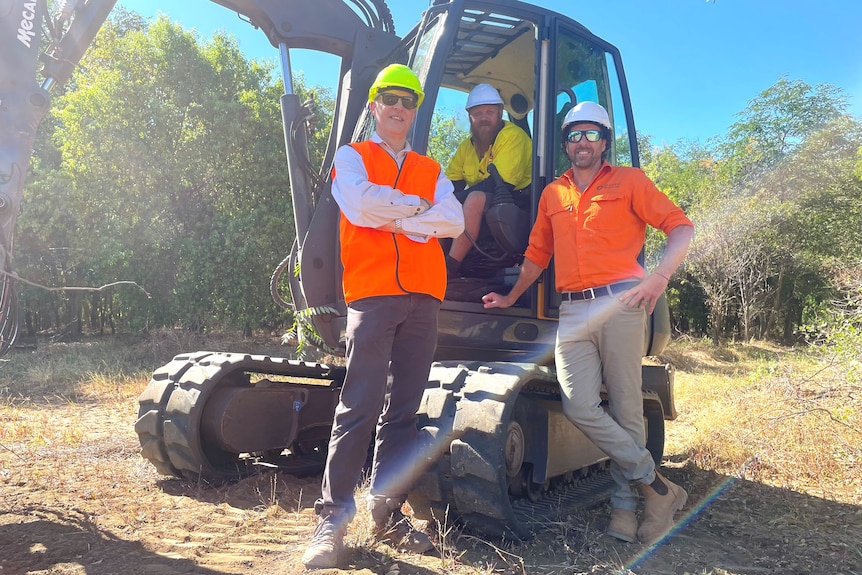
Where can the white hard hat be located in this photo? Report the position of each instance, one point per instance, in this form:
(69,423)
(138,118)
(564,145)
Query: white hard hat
(587,112)
(483,94)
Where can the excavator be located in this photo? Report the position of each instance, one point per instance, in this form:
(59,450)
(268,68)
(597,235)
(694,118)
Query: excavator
(500,454)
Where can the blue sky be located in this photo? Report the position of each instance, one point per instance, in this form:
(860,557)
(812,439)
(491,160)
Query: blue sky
(692,65)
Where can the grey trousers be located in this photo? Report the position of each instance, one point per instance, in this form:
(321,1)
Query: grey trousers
(390,346)
(601,341)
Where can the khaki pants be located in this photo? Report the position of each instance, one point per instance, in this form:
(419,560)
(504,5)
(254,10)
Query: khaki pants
(601,342)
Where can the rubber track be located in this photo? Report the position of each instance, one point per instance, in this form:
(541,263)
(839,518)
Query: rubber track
(592,490)
(467,407)
(465,411)
(171,408)
(151,412)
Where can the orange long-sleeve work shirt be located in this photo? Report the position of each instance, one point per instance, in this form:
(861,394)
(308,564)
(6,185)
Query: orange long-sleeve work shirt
(596,235)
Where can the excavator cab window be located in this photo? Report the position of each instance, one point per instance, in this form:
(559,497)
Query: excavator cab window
(488,46)
(587,73)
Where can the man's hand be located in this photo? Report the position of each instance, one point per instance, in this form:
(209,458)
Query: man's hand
(530,271)
(424,204)
(494,299)
(646,293)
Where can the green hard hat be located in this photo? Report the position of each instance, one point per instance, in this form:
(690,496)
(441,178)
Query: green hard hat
(397,76)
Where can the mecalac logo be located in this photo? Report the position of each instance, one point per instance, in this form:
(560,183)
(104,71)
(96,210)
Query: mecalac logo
(26,30)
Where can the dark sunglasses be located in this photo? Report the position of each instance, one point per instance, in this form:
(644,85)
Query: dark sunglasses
(592,135)
(389,99)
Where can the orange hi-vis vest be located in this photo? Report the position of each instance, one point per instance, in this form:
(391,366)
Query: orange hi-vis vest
(378,263)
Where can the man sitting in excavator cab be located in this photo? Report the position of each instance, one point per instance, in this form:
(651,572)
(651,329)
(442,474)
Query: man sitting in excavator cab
(494,145)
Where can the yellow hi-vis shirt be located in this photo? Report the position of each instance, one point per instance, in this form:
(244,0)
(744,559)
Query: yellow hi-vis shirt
(511,153)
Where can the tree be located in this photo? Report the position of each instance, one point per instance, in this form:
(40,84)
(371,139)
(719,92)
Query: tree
(762,247)
(172,175)
(821,201)
(774,124)
(445,136)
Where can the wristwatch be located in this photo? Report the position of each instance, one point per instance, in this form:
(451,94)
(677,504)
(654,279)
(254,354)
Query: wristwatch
(398,227)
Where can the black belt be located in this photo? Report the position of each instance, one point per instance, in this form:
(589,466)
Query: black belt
(601,291)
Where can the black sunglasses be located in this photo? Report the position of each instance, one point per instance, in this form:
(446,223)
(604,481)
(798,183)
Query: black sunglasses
(592,135)
(389,99)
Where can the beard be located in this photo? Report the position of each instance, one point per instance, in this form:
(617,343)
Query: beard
(485,132)
(590,159)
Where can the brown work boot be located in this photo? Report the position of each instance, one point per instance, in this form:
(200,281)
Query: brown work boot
(327,543)
(395,529)
(661,500)
(623,525)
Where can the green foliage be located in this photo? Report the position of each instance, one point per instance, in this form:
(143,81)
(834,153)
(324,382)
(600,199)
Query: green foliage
(686,173)
(172,175)
(840,325)
(445,136)
(303,332)
(775,203)
(777,121)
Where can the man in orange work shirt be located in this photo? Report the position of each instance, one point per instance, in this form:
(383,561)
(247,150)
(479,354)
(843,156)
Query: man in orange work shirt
(394,205)
(593,219)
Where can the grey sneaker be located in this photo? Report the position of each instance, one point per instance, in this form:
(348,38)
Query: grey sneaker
(327,543)
(397,532)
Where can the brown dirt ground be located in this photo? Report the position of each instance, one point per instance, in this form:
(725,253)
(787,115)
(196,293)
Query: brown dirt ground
(99,509)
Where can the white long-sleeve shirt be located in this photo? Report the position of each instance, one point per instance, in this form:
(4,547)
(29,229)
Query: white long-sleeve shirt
(371,205)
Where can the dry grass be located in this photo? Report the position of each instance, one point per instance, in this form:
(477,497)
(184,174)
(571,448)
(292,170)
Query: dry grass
(782,417)
(785,423)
